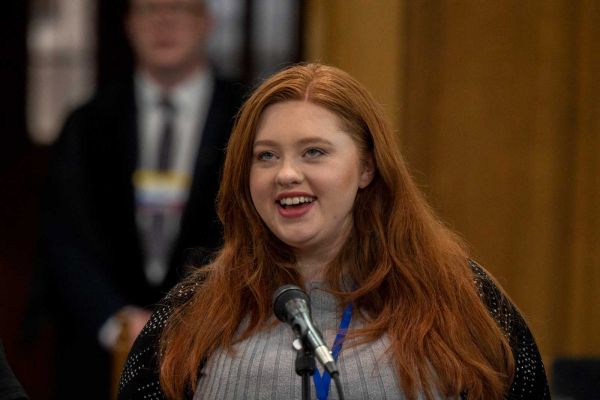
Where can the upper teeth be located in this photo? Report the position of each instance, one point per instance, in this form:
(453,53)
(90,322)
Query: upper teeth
(288,201)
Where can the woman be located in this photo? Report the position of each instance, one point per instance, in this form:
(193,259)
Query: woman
(316,194)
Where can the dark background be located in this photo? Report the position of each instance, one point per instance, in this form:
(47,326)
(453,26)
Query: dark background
(23,167)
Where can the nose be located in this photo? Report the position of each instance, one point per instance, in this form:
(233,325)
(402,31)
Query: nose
(288,174)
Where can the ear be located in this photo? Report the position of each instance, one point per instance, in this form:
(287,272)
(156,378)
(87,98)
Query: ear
(367,172)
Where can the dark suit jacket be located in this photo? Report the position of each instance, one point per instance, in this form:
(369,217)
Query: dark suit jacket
(89,245)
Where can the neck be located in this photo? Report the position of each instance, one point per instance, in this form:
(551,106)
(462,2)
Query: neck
(168,78)
(311,270)
(312,264)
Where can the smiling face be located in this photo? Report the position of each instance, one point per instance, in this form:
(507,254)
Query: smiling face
(305,174)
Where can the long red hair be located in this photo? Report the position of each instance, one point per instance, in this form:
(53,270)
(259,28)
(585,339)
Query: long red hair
(410,272)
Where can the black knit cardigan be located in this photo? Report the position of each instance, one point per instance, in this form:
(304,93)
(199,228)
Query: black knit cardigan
(140,379)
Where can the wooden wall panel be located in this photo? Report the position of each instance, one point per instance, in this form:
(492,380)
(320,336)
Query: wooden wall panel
(497,104)
(583,266)
(365,39)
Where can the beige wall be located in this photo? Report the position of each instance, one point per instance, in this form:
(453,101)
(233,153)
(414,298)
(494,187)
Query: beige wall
(498,107)
(363,38)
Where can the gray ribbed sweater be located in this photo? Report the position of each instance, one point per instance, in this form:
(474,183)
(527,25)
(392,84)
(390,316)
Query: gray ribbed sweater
(262,366)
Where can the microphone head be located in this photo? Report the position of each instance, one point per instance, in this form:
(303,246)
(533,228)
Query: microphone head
(283,295)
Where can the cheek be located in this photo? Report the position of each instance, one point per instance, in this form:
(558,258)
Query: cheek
(190,36)
(345,186)
(252,182)
(348,177)
(257,188)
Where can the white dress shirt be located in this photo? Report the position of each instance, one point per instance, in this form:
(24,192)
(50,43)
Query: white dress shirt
(157,192)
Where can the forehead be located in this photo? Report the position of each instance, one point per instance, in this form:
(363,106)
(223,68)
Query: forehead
(297,115)
(294,124)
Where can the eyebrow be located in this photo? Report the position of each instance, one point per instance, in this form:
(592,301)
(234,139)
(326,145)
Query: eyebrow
(302,142)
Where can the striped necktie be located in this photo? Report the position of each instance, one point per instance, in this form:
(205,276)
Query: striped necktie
(166,140)
(159,249)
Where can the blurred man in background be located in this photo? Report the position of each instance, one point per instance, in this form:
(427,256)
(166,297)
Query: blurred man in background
(131,190)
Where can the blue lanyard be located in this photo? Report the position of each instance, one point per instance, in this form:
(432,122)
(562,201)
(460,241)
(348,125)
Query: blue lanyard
(322,383)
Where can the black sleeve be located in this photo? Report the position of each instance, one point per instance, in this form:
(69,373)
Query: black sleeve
(140,376)
(72,263)
(530,380)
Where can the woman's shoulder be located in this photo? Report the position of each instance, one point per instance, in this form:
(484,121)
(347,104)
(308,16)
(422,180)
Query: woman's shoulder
(529,380)
(501,308)
(493,296)
(140,375)
(177,296)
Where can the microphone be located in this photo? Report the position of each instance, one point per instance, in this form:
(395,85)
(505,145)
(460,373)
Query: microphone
(291,305)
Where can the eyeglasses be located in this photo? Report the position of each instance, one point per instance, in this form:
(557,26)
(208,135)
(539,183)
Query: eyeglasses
(177,8)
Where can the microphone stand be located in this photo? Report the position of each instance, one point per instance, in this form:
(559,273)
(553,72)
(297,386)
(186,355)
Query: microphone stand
(305,366)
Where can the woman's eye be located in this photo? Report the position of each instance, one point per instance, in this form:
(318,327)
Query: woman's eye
(314,152)
(265,156)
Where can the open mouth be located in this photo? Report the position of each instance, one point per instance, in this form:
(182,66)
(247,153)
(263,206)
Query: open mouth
(297,201)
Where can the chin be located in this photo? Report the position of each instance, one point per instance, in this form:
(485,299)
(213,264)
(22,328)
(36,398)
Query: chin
(168,63)
(298,243)
(166,58)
